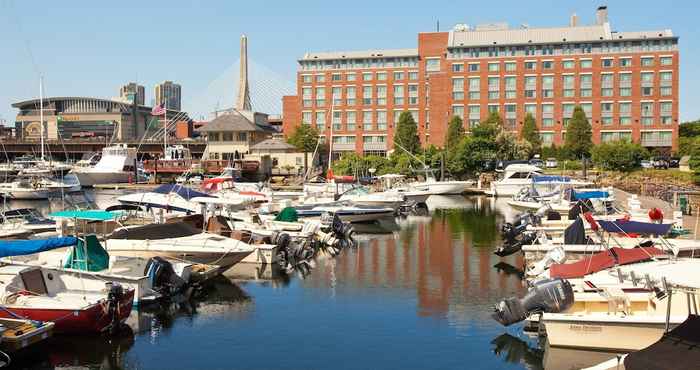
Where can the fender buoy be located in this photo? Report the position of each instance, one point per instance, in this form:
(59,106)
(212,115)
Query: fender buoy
(656,214)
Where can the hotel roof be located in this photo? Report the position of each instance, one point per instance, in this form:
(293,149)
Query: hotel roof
(388,53)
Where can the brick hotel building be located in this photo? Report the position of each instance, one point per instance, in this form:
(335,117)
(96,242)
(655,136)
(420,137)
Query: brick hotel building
(626,82)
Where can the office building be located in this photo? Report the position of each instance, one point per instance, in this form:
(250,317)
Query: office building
(132,93)
(169,93)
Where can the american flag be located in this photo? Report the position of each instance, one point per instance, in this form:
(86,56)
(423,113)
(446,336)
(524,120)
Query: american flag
(158,110)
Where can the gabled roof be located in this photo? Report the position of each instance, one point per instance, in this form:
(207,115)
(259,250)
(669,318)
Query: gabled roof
(272,144)
(234,121)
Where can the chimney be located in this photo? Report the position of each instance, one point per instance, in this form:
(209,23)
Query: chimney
(601,15)
(573,21)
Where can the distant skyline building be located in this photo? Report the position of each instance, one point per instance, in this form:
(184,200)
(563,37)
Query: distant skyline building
(169,93)
(132,92)
(626,82)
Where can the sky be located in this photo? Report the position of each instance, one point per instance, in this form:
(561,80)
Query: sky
(90,48)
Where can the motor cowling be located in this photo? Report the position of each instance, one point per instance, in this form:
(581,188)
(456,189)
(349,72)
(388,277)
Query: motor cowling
(514,245)
(551,296)
(163,277)
(114,297)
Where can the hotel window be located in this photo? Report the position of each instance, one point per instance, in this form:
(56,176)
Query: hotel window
(367,120)
(647,91)
(381,120)
(532,109)
(586,93)
(432,64)
(647,77)
(567,109)
(530,65)
(494,95)
(458,110)
(647,121)
(568,64)
(366,95)
(647,61)
(547,138)
(321,121)
(510,83)
(413,94)
(381,76)
(606,108)
(306,78)
(625,91)
(647,109)
(666,76)
(350,76)
(511,66)
(398,76)
(666,107)
(306,97)
(625,121)
(625,62)
(494,83)
(398,95)
(666,61)
(337,95)
(606,92)
(607,79)
(473,67)
(320,96)
(320,78)
(458,88)
(457,67)
(350,95)
(547,122)
(336,77)
(625,108)
(493,108)
(606,121)
(367,76)
(413,76)
(666,91)
(586,63)
(306,117)
(587,108)
(606,63)
(381,95)
(494,67)
(547,64)
(336,121)
(666,120)
(350,120)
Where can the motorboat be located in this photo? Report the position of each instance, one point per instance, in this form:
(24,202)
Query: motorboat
(394,183)
(562,200)
(29,219)
(177,241)
(346,212)
(116,165)
(74,302)
(32,187)
(173,199)
(519,175)
(442,187)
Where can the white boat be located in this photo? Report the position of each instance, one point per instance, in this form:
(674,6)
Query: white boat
(444,187)
(171,199)
(394,183)
(115,166)
(177,241)
(347,213)
(517,176)
(30,188)
(362,197)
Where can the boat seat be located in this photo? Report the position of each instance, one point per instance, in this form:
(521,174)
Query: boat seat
(618,301)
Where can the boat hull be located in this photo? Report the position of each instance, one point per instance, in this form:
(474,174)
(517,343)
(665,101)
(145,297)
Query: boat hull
(88,179)
(90,319)
(223,260)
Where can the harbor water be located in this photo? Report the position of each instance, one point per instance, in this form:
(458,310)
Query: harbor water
(416,293)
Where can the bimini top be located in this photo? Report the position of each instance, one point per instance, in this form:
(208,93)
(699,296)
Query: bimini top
(551,178)
(634,227)
(590,194)
(683,342)
(90,215)
(180,190)
(10,248)
(603,260)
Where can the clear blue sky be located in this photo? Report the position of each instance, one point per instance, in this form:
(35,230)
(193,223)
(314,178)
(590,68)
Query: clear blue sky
(89,48)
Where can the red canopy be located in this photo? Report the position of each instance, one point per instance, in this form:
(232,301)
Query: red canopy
(601,261)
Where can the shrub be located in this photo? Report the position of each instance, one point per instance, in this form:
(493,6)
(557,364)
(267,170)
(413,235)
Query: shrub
(618,156)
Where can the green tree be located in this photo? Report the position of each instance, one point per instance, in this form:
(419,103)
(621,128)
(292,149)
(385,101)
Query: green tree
(455,132)
(618,156)
(531,134)
(406,133)
(304,138)
(579,134)
(489,128)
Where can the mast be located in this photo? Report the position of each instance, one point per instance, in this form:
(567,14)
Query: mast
(41,113)
(330,142)
(165,126)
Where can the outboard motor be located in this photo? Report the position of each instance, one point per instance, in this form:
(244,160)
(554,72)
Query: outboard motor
(510,231)
(115,295)
(163,277)
(343,232)
(551,296)
(516,244)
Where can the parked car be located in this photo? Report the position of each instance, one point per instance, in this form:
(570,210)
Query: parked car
(551,163)
(646,164)
(674,162)
(660,163)
(537,162)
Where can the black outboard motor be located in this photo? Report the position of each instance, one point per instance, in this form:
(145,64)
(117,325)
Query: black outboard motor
(163,278)
(514,245)
(115,295)
(552,296)
(510,231)
(343,231)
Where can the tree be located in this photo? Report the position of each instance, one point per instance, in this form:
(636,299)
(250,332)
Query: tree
(578,134)
(489,128)
(618,156)
(531,134)
(455,132)
(304,138)
(406,133)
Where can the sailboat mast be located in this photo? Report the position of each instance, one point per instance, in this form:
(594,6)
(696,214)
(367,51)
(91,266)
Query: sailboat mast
(41,113)
(165,126)
(330,143)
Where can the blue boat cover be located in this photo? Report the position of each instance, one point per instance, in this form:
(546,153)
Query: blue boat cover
(550,178)
(90,215)
(10,248)
(590,194)
(634,227)
(180,190)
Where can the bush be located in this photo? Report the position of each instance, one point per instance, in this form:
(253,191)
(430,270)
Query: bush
(570,165)
(618,156)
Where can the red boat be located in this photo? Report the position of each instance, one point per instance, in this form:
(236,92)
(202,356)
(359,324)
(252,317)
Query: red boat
(74,302)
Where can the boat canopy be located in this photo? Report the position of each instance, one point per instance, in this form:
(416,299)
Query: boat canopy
(603,260)
(180,190)
(634,227)
(90,215)
(9,248)
(589,194)
(88,255)
(550,178)
(678,349)
(156,231)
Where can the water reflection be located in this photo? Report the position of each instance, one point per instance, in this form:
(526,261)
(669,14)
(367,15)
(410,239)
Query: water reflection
(517,351)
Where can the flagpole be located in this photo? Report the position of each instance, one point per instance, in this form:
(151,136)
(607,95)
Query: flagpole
(165,125)
(41,113)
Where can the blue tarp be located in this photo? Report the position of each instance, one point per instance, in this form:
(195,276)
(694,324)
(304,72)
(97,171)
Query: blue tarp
(182,191)
(10,248)
(590,194)
(548,178)
(90,215)
(634,227)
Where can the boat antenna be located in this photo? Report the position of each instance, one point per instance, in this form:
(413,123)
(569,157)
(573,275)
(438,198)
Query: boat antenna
(425,166)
